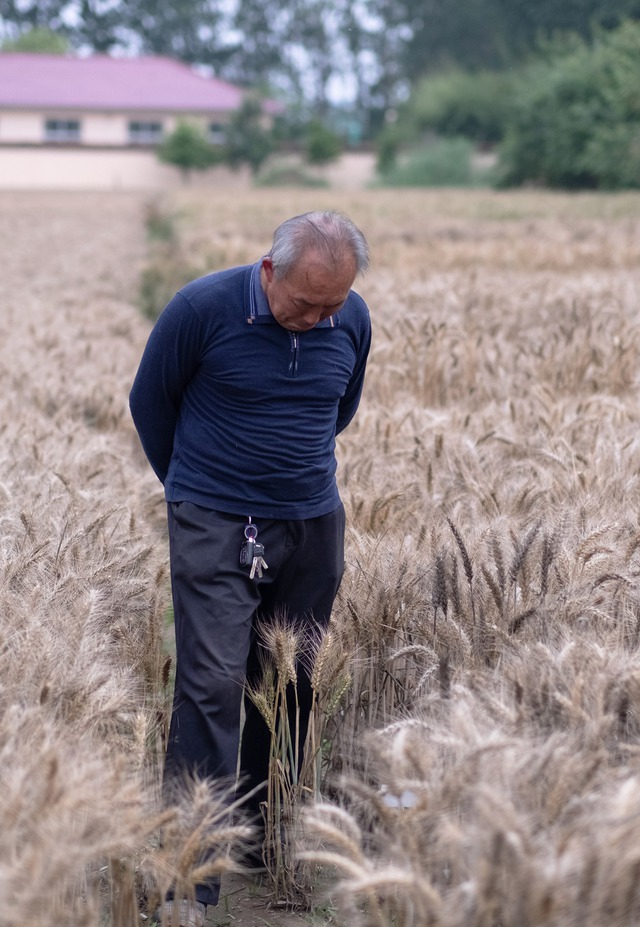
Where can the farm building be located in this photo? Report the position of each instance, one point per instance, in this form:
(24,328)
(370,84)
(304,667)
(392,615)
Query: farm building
(94,122)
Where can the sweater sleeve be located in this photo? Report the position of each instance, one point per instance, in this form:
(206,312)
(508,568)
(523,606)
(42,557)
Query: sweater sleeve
(351,399)
(170,359)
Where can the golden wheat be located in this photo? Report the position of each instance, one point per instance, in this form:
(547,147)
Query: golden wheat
(478,694)
(82,573)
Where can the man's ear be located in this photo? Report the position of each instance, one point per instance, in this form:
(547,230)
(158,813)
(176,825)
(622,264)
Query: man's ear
(267,266)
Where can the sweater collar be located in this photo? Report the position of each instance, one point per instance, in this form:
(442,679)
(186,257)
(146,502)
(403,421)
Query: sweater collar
(259,310)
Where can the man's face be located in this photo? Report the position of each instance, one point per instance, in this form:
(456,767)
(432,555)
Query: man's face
(310,292)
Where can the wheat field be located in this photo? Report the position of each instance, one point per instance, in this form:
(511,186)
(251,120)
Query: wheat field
(478,694)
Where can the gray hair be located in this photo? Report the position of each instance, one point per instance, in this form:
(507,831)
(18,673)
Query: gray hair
(332,234)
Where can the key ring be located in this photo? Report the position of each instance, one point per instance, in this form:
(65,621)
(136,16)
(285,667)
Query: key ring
(250,532)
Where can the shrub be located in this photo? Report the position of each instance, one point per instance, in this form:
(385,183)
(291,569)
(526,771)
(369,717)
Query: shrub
(456,103)
(453,104)
(321,144)
(437,163)
(393,138)
(188,149)
(576,122)
(289,175)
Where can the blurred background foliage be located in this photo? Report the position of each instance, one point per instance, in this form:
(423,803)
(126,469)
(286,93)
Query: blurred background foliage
(505,92)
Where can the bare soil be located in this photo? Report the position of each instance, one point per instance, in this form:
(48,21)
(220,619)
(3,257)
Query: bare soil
(246,901)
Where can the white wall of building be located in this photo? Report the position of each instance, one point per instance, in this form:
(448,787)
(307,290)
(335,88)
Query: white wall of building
(21,128)
(28,127)
(103,129)
(78,169)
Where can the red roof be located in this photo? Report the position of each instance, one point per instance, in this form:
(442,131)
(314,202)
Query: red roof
(99,82)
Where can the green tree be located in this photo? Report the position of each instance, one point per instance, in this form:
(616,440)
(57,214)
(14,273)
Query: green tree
(258,57)
(457,103)
(17,17)
(188,149)
(297,48)
(190,30)
(93,23)
(525,23)
(186,29)
(248,141)
(391,141)
(322,145)
(316,36)
(309,49)
(428,35)
(576,118)
(39,40)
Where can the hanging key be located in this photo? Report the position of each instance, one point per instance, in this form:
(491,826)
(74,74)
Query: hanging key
(259,563)
(252,552)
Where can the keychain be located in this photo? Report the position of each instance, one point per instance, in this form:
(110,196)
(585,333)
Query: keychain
(252,551)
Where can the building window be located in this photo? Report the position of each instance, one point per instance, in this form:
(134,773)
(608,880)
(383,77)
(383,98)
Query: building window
(216,133)
(62,130)
(145,133)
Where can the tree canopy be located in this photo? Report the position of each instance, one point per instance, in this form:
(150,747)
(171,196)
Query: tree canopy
(40,41)
(576,118)
(366,52)
(188,149)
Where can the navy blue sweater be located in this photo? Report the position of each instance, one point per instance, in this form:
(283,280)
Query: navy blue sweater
(238,414)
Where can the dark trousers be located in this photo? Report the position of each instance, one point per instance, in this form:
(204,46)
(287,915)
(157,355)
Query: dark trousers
(215,607)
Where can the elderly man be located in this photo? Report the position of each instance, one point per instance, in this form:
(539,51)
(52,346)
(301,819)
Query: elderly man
(248,376)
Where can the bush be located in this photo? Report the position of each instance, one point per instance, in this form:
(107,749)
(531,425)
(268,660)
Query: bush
(289,175)
(188,149)
(438,163)
(576,119)
(391,141)
(455,103)
(321,144)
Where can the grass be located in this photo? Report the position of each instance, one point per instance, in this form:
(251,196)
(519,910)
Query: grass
(478,698)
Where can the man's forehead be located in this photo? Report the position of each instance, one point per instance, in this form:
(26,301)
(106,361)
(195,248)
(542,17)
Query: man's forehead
(314,269)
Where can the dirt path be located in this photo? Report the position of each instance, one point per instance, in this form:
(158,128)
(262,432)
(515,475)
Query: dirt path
(245,901)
